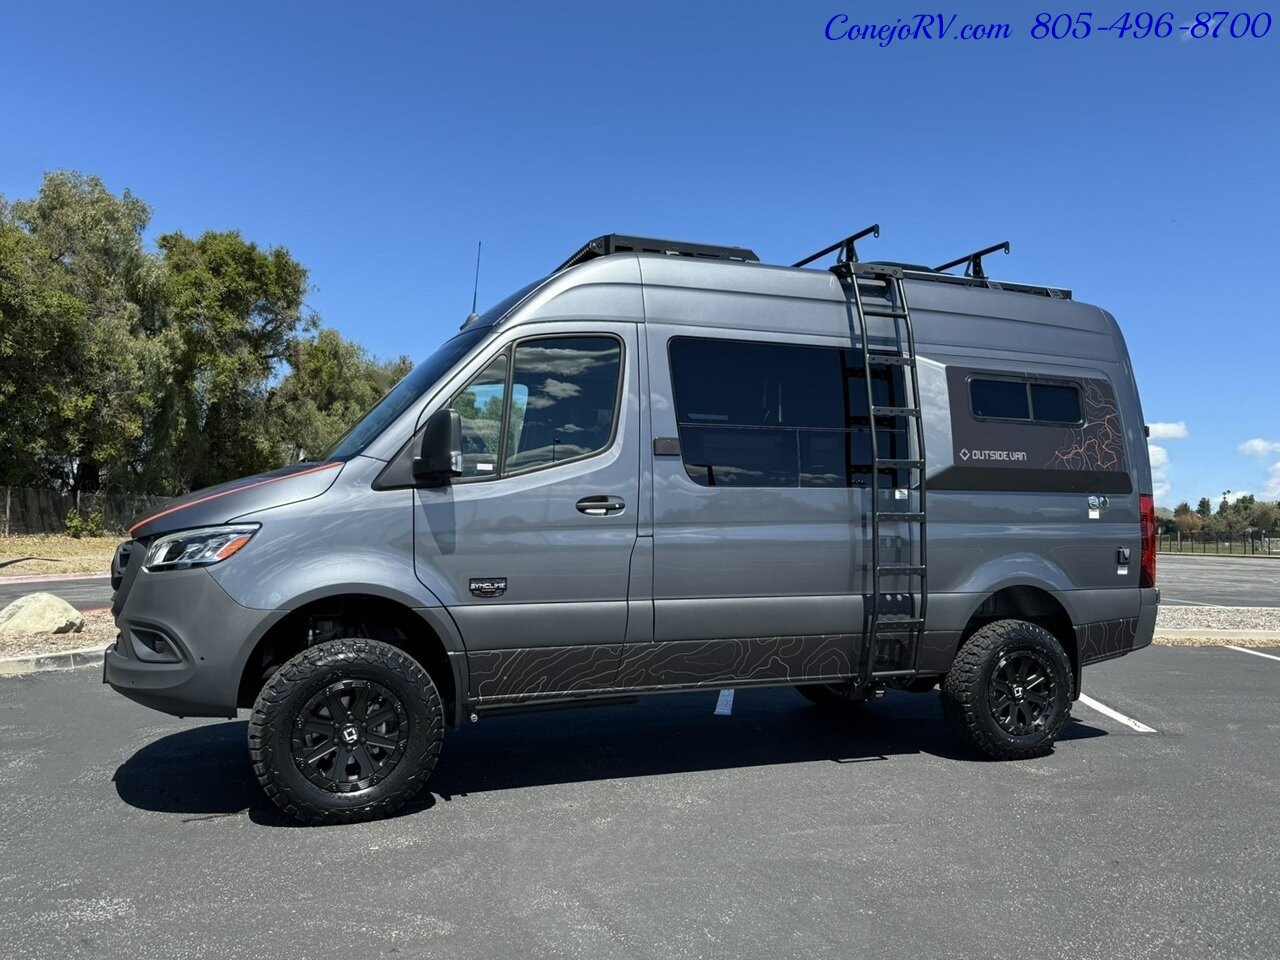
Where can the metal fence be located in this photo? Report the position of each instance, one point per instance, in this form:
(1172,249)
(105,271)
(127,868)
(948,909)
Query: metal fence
(33,510)
(1250,543)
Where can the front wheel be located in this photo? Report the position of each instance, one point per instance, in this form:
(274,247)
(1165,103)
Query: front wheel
(346,731)
(1008,692)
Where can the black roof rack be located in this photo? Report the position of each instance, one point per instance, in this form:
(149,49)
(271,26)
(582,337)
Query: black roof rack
(620,243)
(973,261)
(974,276)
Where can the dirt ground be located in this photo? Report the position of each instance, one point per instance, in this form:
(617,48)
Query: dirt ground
(99,630)
(50,554)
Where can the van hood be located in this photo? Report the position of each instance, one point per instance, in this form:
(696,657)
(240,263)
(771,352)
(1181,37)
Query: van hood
(225,502)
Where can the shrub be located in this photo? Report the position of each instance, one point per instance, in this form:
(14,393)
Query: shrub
(87,525)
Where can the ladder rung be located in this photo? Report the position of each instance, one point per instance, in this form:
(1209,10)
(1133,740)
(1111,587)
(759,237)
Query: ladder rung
(900,570)
(885,674)
(895,412)
(890,360)
(912,464)
(884,621)
(887,314)
(882,517)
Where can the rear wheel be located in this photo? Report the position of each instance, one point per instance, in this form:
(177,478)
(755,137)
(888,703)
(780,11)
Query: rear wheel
(1008,692)
(346,731)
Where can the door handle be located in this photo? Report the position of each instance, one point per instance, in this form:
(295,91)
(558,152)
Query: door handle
(601,506)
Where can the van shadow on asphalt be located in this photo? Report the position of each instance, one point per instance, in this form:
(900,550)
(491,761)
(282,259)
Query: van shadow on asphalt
(204,771)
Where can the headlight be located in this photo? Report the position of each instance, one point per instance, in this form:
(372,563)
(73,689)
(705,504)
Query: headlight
(198,548)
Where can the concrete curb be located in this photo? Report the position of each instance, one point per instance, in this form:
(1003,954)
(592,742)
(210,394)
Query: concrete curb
(43,662)
(1244,636)
(54,577)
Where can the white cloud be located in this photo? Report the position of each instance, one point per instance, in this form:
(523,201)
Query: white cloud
(1159,470)
(1272,490)
(1257,447)
(1168,431)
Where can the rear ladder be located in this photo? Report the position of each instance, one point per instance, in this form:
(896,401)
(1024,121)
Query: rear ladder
(894,619)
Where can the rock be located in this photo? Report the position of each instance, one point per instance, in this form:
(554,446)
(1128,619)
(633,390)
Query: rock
(39,613)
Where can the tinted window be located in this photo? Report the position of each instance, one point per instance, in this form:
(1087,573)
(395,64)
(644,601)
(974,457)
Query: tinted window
(1003,399)
(1053,403)
(564,399)
(757,384)
(778,415)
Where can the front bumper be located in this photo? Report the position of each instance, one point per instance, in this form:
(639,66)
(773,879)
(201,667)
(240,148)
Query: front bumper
(183,643)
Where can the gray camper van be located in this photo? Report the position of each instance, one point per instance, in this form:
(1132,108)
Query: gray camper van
(667,467)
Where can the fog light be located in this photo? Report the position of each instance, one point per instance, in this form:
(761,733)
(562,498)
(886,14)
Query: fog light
(152,646)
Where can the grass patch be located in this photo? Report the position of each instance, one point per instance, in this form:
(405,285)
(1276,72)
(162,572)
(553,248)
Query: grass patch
(53,553)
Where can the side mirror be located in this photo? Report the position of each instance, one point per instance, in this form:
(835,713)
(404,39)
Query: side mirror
(440,457)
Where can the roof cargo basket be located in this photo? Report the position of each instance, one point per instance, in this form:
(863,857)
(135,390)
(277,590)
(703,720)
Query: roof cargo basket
(620,243)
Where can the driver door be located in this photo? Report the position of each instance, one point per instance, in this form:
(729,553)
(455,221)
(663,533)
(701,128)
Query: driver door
(530,549)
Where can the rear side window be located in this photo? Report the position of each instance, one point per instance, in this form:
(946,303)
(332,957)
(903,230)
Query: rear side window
(1048,403)
(1054,403)
(777,415)
(1000,399)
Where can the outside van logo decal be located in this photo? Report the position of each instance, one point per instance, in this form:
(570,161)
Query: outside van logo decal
(1006,456)
(1096,445)
(488,586)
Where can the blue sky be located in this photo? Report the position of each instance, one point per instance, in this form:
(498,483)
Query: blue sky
(379,141)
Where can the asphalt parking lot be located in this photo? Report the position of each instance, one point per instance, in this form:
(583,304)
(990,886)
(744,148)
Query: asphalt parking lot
(1218,581)
(83,593)
(659,830)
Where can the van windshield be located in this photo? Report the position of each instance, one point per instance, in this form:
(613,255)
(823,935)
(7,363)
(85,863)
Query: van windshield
(400,397)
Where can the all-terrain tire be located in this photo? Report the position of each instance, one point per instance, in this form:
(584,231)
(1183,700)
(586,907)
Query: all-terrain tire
(995,712)
(370,692)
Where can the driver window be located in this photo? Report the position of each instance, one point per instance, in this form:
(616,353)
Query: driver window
(479,404)
(562,406)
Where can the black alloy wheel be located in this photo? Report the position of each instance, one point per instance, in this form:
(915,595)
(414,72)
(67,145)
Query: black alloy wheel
(350,735)
(347,730)
(1021,693)
(1009,690)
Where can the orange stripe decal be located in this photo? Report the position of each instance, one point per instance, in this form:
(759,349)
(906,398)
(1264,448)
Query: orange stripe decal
(247,486)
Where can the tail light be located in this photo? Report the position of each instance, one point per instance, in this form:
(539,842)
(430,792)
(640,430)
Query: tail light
(1147,521)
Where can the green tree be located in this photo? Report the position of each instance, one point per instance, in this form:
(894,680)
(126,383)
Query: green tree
(1186,521)
(1265,517)
(231,313)
(330,385)
(1205,508)
(78,366)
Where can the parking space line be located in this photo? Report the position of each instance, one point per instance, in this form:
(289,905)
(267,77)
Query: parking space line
(724,703)
(1197,603)
(1256,653)
(1116,715)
